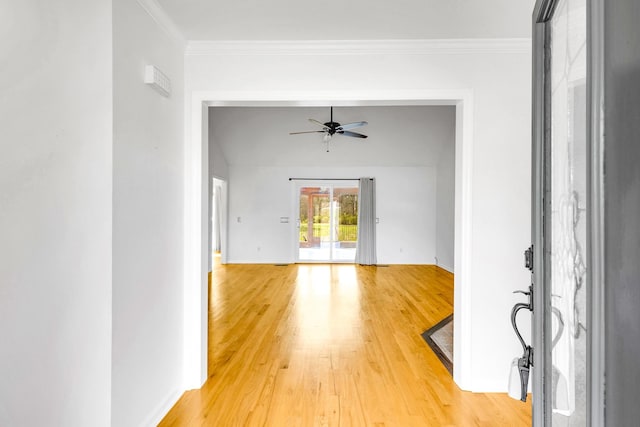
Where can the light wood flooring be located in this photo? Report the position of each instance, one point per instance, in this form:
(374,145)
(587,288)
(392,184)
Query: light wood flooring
(332,345)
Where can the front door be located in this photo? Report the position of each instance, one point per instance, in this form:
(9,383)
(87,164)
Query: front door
(560,215)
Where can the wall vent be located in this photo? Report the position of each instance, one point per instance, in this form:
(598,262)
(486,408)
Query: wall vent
(157,80)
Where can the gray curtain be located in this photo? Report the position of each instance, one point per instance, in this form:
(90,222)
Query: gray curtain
(366,246)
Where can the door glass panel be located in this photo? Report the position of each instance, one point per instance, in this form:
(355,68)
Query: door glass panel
(314,223)
(566,222)
(345,214)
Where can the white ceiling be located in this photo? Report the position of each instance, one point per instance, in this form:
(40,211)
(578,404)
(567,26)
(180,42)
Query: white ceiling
(350,20)
(397,135)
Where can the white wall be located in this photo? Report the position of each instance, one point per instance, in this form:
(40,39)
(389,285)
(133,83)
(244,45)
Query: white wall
(405,204)
(445,207)
(261,195)
(217,162)
(55,212)
(147,221)
(397,135)
(498,77)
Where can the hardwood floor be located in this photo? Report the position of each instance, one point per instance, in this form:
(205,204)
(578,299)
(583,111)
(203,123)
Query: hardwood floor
(332,345)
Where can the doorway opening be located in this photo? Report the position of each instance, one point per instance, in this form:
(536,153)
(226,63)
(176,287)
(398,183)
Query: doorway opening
(197,192)
(328,222)
(218,228)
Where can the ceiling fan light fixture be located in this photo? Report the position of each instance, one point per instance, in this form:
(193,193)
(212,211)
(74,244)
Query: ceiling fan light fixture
(330,128)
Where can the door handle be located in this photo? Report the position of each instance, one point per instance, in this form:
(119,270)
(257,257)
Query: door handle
(526,361)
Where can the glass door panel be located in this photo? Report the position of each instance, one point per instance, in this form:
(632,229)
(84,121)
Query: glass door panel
(565,219)
(315,214)
(345,214)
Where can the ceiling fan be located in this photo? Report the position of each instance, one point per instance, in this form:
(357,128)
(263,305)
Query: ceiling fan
(330,128)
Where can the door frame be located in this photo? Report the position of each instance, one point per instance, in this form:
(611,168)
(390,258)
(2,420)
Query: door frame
(541,416)
(197,191)
(543,11)
(595,218)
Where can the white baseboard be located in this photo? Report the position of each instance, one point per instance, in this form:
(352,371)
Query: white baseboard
(162,409)
(446,267)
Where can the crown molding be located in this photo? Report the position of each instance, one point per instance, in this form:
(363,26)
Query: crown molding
(160,16)
(359,47)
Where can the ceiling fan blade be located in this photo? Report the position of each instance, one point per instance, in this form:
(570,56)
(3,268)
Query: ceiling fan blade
(354,134)
(308,131)
(351,125)
(318,123)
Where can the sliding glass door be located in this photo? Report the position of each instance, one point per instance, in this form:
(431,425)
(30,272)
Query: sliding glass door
(328,221)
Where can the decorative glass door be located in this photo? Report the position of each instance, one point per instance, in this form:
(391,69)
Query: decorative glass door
(560,187)
(328,223)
